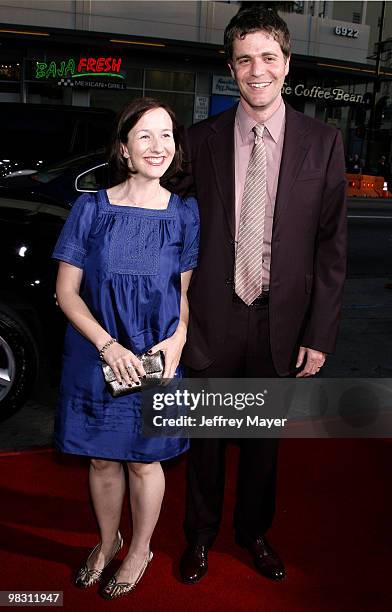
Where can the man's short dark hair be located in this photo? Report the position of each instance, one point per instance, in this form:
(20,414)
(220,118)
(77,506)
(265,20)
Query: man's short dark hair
(254,19)
(127,119)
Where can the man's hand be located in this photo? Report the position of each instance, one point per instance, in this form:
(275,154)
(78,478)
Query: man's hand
(314,361)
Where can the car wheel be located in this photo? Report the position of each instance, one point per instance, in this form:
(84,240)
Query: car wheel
(18,365)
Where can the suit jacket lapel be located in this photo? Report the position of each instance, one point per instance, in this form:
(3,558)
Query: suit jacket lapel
(295,148)
(221,145)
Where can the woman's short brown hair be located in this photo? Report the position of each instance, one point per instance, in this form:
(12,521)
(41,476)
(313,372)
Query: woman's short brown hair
(127,119)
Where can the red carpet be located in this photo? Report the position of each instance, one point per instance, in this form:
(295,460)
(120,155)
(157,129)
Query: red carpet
(331,528)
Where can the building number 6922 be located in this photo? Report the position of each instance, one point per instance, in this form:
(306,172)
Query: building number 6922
(345,31)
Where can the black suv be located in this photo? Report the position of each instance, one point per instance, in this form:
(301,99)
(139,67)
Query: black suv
(31,325)
(33,135)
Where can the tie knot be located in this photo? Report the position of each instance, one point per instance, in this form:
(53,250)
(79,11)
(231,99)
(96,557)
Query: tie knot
(258,130)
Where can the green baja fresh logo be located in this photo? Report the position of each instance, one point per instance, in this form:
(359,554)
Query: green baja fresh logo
(85,67)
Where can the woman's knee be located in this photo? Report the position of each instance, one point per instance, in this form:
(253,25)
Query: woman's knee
(143,469)
(102,465)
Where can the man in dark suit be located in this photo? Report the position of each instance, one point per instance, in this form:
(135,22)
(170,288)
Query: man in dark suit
(266,296)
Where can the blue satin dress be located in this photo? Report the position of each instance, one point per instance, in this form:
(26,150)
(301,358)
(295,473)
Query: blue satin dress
(132,259)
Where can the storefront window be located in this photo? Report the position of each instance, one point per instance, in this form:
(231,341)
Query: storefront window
(173,81)
(48,93)
(9,71)
(182,104)
(105,98)
(134,76)
(203,82)
(9,92)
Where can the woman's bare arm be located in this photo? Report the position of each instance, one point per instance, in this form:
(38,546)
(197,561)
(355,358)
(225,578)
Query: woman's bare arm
(75,309)
(69,278)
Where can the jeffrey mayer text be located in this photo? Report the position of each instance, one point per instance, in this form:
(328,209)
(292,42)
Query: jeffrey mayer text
(217,421)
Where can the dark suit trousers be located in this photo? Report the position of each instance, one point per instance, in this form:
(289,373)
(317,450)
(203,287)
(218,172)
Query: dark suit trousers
(245,353)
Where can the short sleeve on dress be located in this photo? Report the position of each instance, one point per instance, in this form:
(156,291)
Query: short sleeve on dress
(189,214)
(71,245)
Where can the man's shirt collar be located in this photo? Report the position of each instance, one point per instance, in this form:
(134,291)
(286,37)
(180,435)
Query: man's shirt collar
(274,124)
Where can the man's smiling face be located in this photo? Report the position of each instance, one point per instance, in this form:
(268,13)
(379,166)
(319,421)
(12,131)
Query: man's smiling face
(259,67)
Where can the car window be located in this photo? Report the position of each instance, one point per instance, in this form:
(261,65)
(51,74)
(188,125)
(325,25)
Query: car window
(38,133)
(94,179)
(80,142)
(52,171)
(98,134)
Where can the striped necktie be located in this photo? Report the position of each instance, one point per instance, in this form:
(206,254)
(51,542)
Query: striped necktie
(249,255)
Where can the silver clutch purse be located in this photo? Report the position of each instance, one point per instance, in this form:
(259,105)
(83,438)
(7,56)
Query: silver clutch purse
(154,366)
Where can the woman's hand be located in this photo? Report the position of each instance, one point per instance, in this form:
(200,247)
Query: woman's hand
(125,365)
(172,348)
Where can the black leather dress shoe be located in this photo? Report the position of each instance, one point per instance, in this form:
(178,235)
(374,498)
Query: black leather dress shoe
(265,559)
(194,564)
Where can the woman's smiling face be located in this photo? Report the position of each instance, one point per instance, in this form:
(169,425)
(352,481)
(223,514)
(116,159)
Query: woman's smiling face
(150,146)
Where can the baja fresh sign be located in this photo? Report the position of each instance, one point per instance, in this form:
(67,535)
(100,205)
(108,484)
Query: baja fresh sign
(82,72)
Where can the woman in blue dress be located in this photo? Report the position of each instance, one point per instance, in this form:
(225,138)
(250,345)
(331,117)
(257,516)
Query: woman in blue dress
(126,258)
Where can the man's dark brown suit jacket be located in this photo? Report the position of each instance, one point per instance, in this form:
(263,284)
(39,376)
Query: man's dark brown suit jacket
(308,260)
